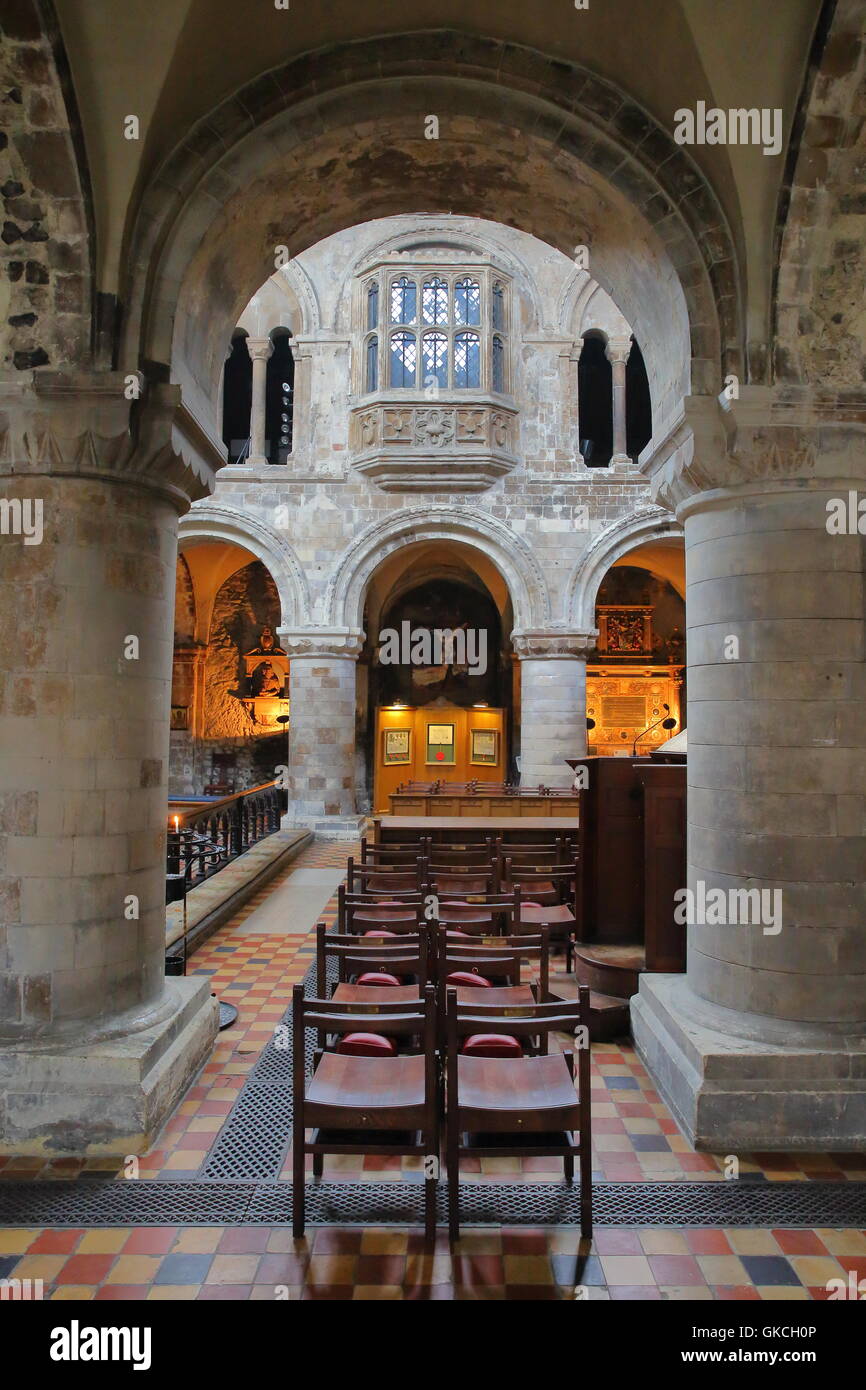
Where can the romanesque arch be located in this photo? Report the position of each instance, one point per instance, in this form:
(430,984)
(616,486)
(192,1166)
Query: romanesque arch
(638,527)
(363,151)
(212,521)
(344,600)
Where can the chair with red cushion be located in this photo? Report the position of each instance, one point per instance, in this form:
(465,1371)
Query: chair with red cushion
(358,912)
(366,1045)
(470,978)
(388,960)
(532,1099)
(364,1102)
(491,1045)
(480,914)
(379,979)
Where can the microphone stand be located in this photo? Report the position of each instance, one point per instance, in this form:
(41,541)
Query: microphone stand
(649,730)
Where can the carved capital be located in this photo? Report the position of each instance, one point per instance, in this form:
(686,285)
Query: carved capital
(618,350)
(551,644)
(759,443)
(323,643)
(107,426)
(259,349)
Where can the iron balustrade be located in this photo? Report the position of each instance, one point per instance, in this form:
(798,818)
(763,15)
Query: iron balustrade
(210,836)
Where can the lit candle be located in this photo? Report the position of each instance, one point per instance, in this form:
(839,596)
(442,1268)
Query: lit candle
(176,824)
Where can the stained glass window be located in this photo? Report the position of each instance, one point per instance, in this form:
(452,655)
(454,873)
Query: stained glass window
(434,301)
(435,351)
(467,360)
(404,354)
(372,372)
(467,301)
(404,300)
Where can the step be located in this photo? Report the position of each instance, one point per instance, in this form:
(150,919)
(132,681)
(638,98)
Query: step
(609,1017)
(611,970)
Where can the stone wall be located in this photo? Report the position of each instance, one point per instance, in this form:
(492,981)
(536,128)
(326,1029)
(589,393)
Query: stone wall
(45,276)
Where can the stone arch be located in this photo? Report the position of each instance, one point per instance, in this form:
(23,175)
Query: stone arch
(288,294)
(302,122)
(344,600)
(638,527)
(212,521)
(818,334)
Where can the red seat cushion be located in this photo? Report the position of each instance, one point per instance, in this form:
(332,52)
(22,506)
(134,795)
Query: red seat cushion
(378,977)
(523,904)
(380,933)
(366,1045)
(492,1045)
(464,934)
(469,978)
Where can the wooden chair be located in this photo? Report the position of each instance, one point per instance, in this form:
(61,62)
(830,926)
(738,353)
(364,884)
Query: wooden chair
(403,856)
(384,880)
(365,1105)
(481,854)
(496,963)
(487,914)
(463,883)
(363,912)
(530,1098)
(361,958)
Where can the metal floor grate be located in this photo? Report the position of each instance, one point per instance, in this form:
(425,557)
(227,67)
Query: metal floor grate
(238,1185)
(193,1203)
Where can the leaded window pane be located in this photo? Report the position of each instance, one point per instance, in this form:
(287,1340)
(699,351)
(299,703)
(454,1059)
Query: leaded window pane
(404,354)
(467,360)
(404,300)
(498,365)
(435,350)
(498,306)
(467,301)
(434,301)
(372,370)
(372,306)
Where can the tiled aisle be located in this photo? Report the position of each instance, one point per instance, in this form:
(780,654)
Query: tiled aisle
(635,1137)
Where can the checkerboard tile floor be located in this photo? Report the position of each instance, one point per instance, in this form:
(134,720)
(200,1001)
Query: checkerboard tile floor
(635,1139)
(251,1262)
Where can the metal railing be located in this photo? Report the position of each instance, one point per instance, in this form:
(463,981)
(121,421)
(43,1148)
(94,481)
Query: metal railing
(210,836)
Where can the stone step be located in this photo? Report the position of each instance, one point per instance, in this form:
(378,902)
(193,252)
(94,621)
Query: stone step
(610,970)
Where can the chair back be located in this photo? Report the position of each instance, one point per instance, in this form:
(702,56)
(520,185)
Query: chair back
(405,954)
(363,912)
(403,855)
(384,880)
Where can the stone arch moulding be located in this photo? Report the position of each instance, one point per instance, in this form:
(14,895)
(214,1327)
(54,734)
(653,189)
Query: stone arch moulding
(640,526)
(213,522)
(344,600)
(577,117)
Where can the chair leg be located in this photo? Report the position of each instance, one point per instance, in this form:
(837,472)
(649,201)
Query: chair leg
(298,1214)
(430,1186)
(318,1165)
(453,1170)
(568,1168)
(585,1195)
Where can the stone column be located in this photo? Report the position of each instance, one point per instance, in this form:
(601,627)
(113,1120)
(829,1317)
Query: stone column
(552,703)
(96,1046)
(321,779)
(260,350)
(763,1044)
(617,353)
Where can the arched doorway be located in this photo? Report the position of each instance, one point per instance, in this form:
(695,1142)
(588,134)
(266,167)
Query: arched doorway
(436,676)
(230,675)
